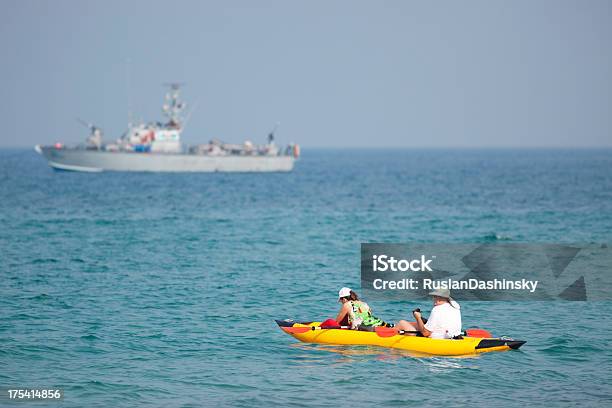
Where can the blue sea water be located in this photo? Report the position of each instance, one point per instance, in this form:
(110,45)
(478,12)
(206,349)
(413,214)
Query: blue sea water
(162,289)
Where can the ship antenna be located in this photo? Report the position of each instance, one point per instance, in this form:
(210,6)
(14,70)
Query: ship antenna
(128,64)
(195,105)
(88,125)
(271,134)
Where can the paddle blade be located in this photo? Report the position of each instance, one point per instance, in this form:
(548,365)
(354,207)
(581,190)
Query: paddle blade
(385,331)
(302,329)
(482,333)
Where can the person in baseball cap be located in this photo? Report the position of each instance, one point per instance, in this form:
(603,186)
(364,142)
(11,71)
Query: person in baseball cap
(356,313)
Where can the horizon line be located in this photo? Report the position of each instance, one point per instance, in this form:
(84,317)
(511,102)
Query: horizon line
(378,147)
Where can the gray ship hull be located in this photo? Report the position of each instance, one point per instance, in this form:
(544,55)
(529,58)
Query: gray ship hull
(96,161)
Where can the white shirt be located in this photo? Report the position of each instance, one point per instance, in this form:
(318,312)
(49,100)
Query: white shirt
(444,321)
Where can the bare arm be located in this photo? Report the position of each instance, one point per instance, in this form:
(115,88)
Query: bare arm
(343,312)
(420,325)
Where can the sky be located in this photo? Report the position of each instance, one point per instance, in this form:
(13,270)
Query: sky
(414,74)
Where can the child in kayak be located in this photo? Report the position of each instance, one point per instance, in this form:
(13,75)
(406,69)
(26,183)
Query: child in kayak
(356,313)
(444,321)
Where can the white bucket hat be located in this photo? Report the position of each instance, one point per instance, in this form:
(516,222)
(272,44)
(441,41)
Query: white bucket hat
(445,293)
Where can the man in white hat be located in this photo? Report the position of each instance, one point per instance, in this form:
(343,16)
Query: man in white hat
(444,321)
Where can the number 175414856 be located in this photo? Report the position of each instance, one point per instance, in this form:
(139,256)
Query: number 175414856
(34,393)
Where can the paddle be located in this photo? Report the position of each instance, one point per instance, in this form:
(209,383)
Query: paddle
(390,332)
(482,333)
(304,329)
(384,331)
(380,331)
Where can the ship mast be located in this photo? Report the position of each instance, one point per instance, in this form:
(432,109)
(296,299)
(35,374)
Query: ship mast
(173,106)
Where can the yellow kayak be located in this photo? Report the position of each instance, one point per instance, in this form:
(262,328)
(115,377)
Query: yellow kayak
(311,332)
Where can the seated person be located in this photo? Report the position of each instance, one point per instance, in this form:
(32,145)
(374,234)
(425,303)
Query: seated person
(444,321)
(356,313)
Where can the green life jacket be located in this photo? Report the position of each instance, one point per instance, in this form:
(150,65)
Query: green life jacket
(361,310)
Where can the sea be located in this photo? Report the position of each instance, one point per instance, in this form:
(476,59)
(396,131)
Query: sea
(161,290)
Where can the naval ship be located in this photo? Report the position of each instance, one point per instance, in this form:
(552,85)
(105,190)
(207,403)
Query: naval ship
(156,147)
